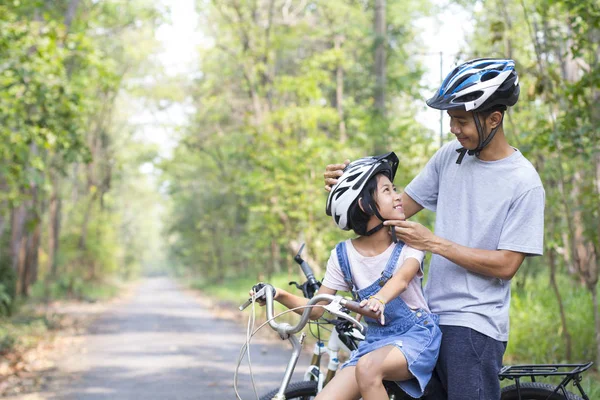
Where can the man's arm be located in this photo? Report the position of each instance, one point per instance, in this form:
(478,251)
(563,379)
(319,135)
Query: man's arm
(501,264)
(409,206)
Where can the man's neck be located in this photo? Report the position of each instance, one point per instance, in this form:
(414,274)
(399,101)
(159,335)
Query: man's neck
(497,149)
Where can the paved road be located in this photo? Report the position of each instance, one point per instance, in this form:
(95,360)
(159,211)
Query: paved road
(163,344)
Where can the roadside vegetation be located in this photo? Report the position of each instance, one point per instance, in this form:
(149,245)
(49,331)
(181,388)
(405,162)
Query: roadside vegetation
(281,89)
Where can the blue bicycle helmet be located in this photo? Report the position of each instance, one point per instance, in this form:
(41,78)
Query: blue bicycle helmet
(479,85)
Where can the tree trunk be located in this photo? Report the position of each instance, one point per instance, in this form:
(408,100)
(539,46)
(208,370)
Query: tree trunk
(551,254)
(18,217)
(54,231)
(70,15)
(22,267)
(594,291)
(275,267)
(339,89)
(86,221)
(30,275)
(219,268)
(380,53)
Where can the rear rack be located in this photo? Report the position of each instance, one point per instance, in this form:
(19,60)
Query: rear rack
(571,372)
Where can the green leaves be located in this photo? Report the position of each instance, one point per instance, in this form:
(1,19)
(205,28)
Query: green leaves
(278,100)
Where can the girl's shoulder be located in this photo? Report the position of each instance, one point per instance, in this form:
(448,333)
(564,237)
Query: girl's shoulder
(408,251)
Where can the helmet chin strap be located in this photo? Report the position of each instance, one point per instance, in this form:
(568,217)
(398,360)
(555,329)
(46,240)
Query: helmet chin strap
(482,142)
(380,226)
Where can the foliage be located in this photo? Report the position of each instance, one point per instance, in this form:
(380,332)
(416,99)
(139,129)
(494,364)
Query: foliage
(555,124)
(8,284)
(64,161)
(285,90)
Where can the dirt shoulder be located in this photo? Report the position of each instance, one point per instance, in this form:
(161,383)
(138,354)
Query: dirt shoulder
(30,366)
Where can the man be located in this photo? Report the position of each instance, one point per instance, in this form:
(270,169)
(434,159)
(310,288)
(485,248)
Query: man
(489,204)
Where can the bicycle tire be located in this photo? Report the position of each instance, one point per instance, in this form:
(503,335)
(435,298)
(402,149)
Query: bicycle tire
(304,390)
(535,391)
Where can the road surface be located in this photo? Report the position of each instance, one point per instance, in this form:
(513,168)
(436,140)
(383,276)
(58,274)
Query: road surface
(162,343)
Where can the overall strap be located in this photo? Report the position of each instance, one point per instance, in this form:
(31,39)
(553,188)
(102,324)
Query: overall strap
(391,264)
(345,267)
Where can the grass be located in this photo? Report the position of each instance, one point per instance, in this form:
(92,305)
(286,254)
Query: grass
(25,329)
(74,288)
(27,326)
(537,335)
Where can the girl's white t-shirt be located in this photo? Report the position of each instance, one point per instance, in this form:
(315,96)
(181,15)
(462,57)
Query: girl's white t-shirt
(366,270)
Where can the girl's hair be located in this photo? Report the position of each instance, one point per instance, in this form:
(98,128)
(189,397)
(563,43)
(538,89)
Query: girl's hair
(357,218)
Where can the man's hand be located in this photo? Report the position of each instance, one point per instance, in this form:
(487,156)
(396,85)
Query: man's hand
(332,172)
(413,234)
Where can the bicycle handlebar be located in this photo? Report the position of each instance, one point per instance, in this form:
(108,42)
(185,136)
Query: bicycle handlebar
(307,270)
(335,307)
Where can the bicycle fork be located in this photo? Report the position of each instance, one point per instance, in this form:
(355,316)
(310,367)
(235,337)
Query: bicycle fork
(314,372)
(296,350)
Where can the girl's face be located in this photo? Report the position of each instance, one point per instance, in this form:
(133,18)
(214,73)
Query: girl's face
(388,199)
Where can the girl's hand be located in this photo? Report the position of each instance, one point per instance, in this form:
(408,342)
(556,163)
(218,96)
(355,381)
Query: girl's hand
(261,301)
(375,304)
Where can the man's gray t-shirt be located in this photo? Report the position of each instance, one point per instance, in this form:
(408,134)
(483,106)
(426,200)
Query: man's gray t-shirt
(490,205)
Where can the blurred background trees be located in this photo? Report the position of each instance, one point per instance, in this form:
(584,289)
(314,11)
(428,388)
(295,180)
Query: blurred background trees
(282,88)
(66,171)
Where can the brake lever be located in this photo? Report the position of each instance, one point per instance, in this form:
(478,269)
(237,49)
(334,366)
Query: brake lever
(257,295)
(336,308)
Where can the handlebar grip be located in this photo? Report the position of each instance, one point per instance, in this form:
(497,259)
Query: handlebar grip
(354,306)
(310,276)
(307,270)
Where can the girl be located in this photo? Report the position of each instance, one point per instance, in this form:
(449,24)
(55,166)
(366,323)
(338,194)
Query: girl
(386,277)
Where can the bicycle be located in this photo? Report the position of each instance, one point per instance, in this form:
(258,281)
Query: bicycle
(542,391)
(347,333)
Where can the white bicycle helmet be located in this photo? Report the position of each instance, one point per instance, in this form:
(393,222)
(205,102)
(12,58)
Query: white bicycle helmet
(479,85)
(351,183)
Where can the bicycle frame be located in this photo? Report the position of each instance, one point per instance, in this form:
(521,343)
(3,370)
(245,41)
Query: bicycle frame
(332,348)
(287,331)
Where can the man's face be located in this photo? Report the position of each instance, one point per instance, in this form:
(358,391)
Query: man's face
(463,126)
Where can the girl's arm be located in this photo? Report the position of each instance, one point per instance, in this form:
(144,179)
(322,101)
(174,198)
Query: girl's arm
(399,282)
(396,285)
(292,301)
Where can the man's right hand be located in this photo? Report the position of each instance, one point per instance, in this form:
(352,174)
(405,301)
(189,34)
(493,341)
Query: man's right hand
(332,172)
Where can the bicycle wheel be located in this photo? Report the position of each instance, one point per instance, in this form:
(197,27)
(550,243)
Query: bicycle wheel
(304,390)
(535,391)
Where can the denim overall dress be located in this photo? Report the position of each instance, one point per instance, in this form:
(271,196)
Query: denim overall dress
(414,332)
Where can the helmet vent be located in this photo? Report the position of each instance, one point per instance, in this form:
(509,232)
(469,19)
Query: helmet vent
(485,65)
(341,191)
(490,75)
(352,177)
(459,82)
(469,97)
